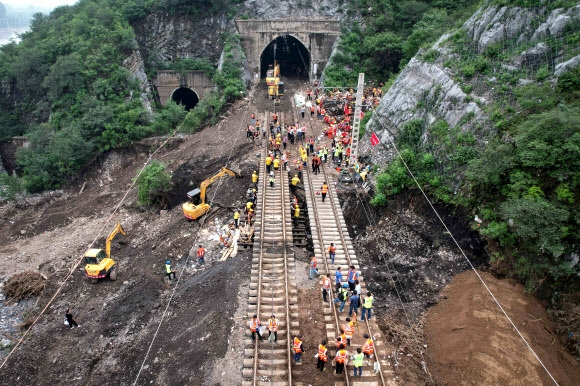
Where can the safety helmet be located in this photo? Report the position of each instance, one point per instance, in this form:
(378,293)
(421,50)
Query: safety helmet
(254,171)
(168,262)
(344,285)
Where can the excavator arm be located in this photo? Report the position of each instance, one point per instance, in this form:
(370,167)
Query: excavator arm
(118,228)
(203,186)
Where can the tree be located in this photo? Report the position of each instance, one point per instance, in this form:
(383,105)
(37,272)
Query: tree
(153,183)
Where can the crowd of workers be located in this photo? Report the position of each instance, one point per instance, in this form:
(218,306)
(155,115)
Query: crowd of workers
(348,289)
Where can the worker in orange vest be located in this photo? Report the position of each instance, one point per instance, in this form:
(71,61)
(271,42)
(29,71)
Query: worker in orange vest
(325,287)
(368,347)
(313,268)
(255,328)
(201,255)
(322,355)
(273,328)
(298,348)
(324,190)
(341,359)
(332,253)
(340,339)
(348,330)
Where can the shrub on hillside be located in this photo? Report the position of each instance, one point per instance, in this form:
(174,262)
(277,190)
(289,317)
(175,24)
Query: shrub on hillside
(153,184)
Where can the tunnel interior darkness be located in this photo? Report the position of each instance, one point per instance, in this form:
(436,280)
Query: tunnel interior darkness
(291,54)
(185,97)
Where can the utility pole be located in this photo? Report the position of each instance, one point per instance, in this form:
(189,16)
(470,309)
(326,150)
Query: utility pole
(356,121)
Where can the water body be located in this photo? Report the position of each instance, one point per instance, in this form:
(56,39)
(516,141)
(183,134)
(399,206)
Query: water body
(7,33)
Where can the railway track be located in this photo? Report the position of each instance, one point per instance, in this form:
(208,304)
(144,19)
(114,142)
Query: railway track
(328,226)
(272,289)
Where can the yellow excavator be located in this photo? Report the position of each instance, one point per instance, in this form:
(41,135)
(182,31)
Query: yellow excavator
(275,86)
(192,211)
(99,263)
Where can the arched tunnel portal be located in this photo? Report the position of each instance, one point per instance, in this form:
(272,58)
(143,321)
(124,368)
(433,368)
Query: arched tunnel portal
(186,97)
(290,53)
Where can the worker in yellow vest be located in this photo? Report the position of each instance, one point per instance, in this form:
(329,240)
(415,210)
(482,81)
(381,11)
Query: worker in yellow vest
(237,219)
(357,362)
(296,214)
(254,177)
(268,164)
(276,163)
(367,306)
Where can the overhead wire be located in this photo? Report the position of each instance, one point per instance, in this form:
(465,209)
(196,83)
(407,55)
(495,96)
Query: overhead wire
(80,259)
(202,223)
(465,256)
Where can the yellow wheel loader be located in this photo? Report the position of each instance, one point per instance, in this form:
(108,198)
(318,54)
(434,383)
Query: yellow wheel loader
(99,263)
(192,211)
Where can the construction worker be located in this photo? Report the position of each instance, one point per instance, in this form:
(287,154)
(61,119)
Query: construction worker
(338,278)
(276,163)
(341,296)
(168,270)
(272,179)
(201,255)
(340,339)
(237,219)
(295,201)
(273,328)
(296,214)
(298,348)
(354,303)
(351,277)
(367,306)
(268,164)
(341,359)
(348,330)
(250,216)
(324,190)
(70,320)
(313,268)
(357,362)
(254,177)
(295,181)
(325,287)
(325,153)
(255,328)
(332,253)
(249,205)
(322,355)
(368,347)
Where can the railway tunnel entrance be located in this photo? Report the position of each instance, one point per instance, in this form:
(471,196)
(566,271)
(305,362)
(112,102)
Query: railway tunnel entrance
(291,54)
(186,97)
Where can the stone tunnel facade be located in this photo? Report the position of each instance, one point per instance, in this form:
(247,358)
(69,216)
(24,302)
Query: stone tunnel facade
(168,81)
(318,36)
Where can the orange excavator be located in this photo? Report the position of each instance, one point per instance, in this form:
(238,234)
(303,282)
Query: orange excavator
(192,211)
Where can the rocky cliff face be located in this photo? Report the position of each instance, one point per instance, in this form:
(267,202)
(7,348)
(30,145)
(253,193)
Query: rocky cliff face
(166,37)
(275,9)
(434,87)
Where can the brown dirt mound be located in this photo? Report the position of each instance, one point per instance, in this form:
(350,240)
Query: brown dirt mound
(24,285)
(470,340)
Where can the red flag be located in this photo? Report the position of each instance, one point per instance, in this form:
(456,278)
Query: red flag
(375,140)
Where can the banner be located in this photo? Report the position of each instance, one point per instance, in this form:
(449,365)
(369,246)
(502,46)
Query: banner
(374,140)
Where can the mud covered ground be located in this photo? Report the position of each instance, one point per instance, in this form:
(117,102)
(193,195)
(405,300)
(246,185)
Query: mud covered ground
(201,340)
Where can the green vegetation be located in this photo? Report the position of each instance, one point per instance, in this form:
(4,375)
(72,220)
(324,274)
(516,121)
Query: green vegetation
(394,31)
(74,99)
(525,182)
(153,183)
(230,87)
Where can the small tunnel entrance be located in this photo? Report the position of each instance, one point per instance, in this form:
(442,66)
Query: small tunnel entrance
(185,97)
(291,54)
